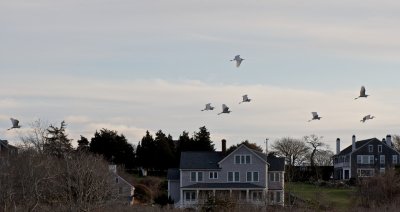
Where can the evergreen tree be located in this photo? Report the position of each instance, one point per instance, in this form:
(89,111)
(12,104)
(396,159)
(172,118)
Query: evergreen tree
(83,144)
(115,148)
(56,141)
(145,151)
(253,146)
(202,141)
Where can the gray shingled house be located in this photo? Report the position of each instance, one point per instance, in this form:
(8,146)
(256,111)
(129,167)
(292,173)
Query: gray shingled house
(245,176)
(364,158)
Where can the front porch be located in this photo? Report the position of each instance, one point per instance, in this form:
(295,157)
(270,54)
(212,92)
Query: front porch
(200,196)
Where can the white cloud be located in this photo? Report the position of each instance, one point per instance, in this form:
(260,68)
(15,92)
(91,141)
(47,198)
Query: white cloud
(133,107)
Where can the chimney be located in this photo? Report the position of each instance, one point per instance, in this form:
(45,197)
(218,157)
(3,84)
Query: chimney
(389,140)
(223,141)
(353,143)
(266,146)
(337,146)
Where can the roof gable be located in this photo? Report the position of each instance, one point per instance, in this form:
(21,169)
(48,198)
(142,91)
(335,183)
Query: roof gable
(258,154)
(360,144)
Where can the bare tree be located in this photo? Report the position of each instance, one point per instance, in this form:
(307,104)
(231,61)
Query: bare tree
(294,150)
(323,158)
(36,138)
(315,142)
(396,142)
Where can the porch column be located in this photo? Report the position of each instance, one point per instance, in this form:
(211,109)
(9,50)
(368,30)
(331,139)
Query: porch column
(197,194)
(182,197)
(230,193)
(247,195)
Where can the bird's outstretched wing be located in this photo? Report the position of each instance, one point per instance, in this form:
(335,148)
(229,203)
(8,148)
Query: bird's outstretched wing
(314,114)
(14,122)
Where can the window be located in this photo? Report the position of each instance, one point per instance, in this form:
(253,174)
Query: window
(365,159)
(382,170)
(233,177)
(190,195)
(252,176)
(379,148)
(275,177)
(382,159)
(370,148)
(394,159)
(116,180)
(213,175)
(278,196)
(365,172)
(242,159)
(196,176)
(237,159)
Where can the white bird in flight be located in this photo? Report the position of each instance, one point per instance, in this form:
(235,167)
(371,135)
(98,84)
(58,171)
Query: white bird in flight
(362,93)
(238,60)
(367,117)
(208,107)
(225,109)
(315,116)
(15,123)
(245,99)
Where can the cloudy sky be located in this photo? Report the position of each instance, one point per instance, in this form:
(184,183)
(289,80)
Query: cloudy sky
(132,66)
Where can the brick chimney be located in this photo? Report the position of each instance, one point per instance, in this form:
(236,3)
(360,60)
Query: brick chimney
(353,143)
(337,146)
(223,141)
(389,140)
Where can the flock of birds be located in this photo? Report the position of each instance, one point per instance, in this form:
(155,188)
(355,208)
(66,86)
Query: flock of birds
(315,116)
(245,98)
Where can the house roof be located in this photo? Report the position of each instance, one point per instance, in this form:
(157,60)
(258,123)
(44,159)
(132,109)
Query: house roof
(359,144)
(223,185)
(6,145)
(211,160)
(200,160)
(173,174)
(276,164)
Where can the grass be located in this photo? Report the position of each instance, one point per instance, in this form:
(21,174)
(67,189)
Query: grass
(339,199)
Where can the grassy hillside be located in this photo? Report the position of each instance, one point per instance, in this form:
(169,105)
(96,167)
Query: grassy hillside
(321,196)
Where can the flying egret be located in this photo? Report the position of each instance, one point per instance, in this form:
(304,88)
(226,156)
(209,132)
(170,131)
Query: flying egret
(362,93)
(15,123)
(367,117)
(238,60)
(315,116)
(245,99)
(208,107)
(225,109)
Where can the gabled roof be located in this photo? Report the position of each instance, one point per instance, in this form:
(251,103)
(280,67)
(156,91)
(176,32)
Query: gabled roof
(223,185)
(200,160)
(173,174)
(359,144)
(260,155)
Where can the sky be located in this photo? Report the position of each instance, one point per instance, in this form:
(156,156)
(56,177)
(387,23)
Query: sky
(132,66)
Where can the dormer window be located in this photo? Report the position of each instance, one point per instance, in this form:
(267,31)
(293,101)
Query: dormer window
(370,148)
(242,159)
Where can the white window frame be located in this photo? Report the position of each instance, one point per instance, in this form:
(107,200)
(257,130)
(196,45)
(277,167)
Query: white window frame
(275,177)
(252,174)
(234,180)
(242,159)
(197,174)
(213,175)
(382,159)
(394,159)
(370,148)
(192,196)
(365,159)
(360,174)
